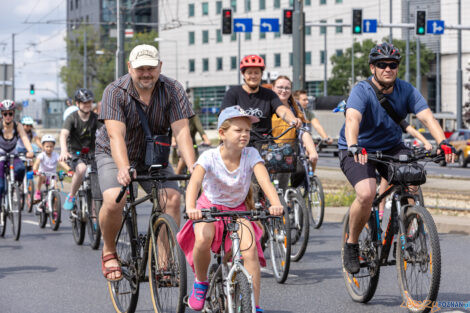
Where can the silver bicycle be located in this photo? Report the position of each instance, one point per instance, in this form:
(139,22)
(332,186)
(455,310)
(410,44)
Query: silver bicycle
(11,200)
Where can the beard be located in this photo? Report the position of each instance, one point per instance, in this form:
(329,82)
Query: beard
(148,86)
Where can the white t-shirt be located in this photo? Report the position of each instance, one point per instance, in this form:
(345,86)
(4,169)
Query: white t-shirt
(48,164)
(223,187)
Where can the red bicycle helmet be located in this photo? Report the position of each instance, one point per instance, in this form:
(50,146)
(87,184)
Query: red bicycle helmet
(252,61)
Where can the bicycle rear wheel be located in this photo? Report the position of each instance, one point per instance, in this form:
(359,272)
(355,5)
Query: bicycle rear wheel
(419,264)
(242,295)
(166,267)
(14,201)
(78,225)
(55,206)
(316,202)
(125,292)
(280,244)
(300,226)
(361,286)
(42,215)
(93,229)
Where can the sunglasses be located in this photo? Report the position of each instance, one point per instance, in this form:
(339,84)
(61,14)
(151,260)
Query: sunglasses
(8,113)
(383,65)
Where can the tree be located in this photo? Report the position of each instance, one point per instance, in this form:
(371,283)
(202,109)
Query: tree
(340,81)
(100,67)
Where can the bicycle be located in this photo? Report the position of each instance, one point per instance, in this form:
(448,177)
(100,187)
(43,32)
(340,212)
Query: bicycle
(416,250)
(230,286)
(11,200)
(50,205)
(27,192)
(157,248)
(85,212)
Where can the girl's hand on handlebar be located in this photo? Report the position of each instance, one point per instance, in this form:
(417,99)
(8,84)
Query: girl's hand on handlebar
(276,210)
(297,122)
(194,214)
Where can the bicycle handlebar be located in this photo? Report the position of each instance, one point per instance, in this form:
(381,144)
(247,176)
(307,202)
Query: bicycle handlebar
(405,158)
(267,137)
(209,215)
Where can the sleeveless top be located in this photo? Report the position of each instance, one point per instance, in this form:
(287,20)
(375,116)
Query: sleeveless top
(8,145)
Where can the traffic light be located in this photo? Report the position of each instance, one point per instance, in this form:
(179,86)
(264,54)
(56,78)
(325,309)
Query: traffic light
(31,89)
(226,21)
(287,21)
(357,21)
(420,23)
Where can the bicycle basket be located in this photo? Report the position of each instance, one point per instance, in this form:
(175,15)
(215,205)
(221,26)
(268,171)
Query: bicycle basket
(407,174)
(278,157)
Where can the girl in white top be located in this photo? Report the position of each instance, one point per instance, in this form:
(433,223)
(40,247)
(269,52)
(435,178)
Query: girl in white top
(225,175)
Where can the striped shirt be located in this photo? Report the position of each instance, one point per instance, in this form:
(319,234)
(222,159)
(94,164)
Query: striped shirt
(168,104)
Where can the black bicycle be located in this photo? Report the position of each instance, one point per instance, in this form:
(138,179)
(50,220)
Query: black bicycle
(158,249)
(410,230)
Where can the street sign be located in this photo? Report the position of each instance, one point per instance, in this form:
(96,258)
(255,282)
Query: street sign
(128,33)
(269,25)
(435,27)
(25,103)
(242,25)
(369,26)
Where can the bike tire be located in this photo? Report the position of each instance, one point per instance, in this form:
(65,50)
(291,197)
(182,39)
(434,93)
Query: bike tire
(420,229)
(29,196)
(242,294)
(168,281)
(125,292)
(14,200)
(361,286)
(93,225)
(215,299)
(55,205)
(280,244)
(3,217)
(78,225)
(300,229)
(316,203)
(42,218)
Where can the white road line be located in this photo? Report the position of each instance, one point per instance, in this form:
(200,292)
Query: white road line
(30,222)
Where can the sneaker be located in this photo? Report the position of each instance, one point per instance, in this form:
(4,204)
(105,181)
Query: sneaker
(351,258)
(37,196)
(69,203)
(198,295)
(258,309)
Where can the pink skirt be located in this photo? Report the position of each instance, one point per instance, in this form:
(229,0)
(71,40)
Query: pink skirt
(186,238)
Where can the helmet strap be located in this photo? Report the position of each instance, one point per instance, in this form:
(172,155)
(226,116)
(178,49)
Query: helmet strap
(382,84)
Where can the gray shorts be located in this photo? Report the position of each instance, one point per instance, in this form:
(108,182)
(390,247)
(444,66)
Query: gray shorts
(107,174)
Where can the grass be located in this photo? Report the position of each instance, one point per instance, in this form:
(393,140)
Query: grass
(342,197)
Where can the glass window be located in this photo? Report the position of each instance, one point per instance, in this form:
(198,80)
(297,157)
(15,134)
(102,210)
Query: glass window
(219,35)
(308,2)
(308,58)
(191,9)
(205,8)
(322,28)
(233,63)
(191,38)
(247,36)
(277,35)
(277,4)
(233,5)
(262,4)
(205,36)
(322,57)
(308,30)
(192,65)
(262,35)
(339,29)
(219,64)
(277,60)
(205,65)
(247,5)
(291,59)
(218,7)
(71,5)
(322,1)
(339,1)
(264,57)
(291,3)
(233,37)
(339,52)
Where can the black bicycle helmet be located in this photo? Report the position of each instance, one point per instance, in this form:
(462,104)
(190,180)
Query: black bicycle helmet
(84,95)
(384,51)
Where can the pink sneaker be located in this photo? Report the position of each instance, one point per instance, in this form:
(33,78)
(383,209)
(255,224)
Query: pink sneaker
(37,196)
(198,295)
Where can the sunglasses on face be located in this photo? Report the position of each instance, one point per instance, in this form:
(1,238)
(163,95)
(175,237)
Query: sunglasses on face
(383,65)
(7,113)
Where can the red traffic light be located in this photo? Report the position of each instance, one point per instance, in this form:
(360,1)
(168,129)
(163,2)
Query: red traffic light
(288,13)
(228,13)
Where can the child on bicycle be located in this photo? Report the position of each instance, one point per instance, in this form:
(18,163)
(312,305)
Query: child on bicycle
(46,162)
(225,175)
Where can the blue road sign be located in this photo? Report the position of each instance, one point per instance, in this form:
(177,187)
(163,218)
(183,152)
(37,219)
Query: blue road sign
(269,25)
(25,103)
(369,26)
(435,27)
(242,25)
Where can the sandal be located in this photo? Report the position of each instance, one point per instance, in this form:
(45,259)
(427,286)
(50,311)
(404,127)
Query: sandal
(108,270)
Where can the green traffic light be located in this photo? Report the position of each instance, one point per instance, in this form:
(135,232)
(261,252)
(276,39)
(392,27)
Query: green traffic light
(31,92)
(357,29)
(421,30)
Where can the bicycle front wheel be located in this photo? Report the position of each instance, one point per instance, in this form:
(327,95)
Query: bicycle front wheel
(125,292)
(3,217)
(216,299)
(14,201)
(280,244)
(242,296)
(419,261)
(55,206)
(29,195)
(300,226)
(78,224)
(166,267)
(94,231)
(316,202)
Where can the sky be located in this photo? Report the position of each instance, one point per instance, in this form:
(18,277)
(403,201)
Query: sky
(39,48)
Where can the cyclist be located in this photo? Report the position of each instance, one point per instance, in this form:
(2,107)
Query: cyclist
(301,97)
(256,100)
(28,123)
(282,86)
(78,132)
(10,132)
(121,142)
(70,108)
(225,175)
(368,127)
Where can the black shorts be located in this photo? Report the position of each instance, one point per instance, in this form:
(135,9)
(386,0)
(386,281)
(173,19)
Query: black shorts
(355,172)
(74,161)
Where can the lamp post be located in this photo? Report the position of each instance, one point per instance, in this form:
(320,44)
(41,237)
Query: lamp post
(158,39)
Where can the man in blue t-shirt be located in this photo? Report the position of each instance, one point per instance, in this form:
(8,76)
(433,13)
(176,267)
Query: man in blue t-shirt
(368,126)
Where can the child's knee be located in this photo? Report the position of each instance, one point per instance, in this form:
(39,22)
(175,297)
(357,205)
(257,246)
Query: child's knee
(204,235)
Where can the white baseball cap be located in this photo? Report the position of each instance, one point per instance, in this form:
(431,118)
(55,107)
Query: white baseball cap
(144,55)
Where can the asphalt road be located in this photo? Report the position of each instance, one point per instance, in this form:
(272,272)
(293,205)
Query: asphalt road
(46,271)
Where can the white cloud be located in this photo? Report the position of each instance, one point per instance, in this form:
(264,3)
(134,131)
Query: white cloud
(34,8)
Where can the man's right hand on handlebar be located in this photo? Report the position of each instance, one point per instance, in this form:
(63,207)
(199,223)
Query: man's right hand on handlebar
(276,210)
(194,214)
(123,176)
(448,150)
(359,153)
(64,156)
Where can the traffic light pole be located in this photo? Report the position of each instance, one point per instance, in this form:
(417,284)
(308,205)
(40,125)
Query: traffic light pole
(298,46)
(12,66)
(85,60)
(418,64)
(120,41)
(459,68)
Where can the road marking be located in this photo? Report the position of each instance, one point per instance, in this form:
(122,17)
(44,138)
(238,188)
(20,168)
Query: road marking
(270,272)
(31,222)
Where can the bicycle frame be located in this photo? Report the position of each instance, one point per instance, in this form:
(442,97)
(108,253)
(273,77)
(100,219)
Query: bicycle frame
(51,180)
(9,177)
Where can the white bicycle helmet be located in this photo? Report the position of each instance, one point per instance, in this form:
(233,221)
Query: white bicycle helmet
(47,138)
(27,120)
(7,105)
